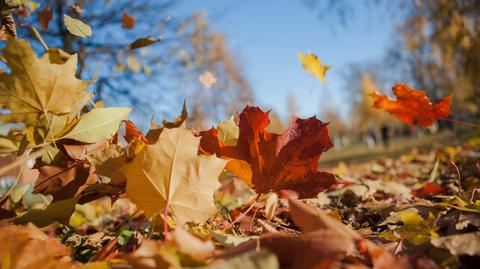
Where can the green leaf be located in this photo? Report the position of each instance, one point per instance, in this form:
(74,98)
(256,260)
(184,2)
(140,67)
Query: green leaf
(100,123)
(76,27)
(57,211)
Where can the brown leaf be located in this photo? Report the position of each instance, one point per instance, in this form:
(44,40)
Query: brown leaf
(81,152)
(128,21)
(26,246)
(310,219)
(131,132)
(143,42)
(44,17)
(64,182)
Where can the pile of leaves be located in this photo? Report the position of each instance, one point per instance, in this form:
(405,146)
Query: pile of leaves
(85,193)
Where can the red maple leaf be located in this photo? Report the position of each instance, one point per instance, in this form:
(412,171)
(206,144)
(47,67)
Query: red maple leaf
(132,131)
(287,161)
(412,106)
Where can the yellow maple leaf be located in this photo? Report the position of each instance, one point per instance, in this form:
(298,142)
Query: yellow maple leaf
(37,87)
(171,174)
(313,66)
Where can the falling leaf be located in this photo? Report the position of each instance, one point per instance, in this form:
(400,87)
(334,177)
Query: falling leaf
(35,87)
(412,106)
(143,42)
(170,174)
(128,21)
(207,79)
(133,64)
(155,129)
(76,27)
(313,66)
(44,17)
(285,161)
(98,124)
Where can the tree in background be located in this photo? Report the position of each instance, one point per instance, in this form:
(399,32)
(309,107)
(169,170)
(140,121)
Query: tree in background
(442,50)
(153,79)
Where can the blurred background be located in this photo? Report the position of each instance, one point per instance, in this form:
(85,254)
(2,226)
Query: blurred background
(251,49)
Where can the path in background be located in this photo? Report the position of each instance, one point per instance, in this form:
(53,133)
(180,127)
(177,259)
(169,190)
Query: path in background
(360,152)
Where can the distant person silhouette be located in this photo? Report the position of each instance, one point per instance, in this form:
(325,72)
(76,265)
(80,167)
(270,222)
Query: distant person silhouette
(385,135)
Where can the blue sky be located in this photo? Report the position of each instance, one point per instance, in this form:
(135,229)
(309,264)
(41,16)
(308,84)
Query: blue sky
(266,35)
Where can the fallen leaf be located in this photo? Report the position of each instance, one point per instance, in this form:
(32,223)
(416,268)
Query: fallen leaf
(35,87)
(56,211)
(98,124)
(412,106)
(44,17)
(27,247)
(65,181)
(230,241)
(285,161)
(128,21)
(170,174)
(143,42)
(271,203)
(131,132)
(186,243)
(313,66)
(207,79)
(81,152)
(261,259)
(430,189)
(76,27)
(460,244)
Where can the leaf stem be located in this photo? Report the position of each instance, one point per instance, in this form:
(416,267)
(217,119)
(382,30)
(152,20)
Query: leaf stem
(165,216)
(459,182)
(460,122)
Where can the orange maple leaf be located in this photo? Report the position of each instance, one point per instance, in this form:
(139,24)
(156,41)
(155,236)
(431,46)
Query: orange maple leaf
(131,131)
(285,161)
(412,106)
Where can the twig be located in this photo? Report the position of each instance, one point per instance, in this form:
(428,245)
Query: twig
(241,216)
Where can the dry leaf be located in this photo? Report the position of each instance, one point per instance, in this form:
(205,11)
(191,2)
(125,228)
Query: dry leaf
(35,87)
(44,17)
(128,21)
(27,246)
(207,79)
(76,27)
(412,106)
(143,42)
(170,174)
(313,66)
(285,161)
